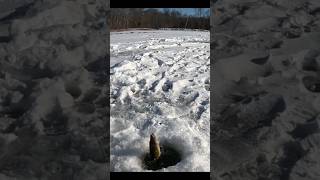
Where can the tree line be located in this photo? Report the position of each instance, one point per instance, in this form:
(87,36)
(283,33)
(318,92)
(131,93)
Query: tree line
(125,18)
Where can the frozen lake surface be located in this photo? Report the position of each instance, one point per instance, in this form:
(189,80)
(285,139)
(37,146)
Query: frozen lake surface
(160,83)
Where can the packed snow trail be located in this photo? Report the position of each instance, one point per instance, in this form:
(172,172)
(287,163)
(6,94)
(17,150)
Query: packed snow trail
(160,84)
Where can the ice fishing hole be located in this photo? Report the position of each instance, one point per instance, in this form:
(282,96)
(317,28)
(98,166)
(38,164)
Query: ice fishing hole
(169,157)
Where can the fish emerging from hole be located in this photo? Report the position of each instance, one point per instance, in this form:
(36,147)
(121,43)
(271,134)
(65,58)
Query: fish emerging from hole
(154,147)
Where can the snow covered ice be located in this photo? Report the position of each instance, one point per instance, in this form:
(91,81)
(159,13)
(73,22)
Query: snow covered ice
(160,83)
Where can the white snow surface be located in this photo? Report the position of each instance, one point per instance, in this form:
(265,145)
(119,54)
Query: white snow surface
(160,83)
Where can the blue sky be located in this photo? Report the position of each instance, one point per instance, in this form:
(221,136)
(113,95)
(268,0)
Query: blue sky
(186,11)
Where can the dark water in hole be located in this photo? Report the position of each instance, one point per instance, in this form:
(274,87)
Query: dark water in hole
(169,157)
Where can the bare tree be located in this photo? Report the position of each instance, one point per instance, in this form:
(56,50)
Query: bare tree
(199,11)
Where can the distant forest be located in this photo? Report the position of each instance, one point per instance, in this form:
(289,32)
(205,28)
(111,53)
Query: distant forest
(153,18)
